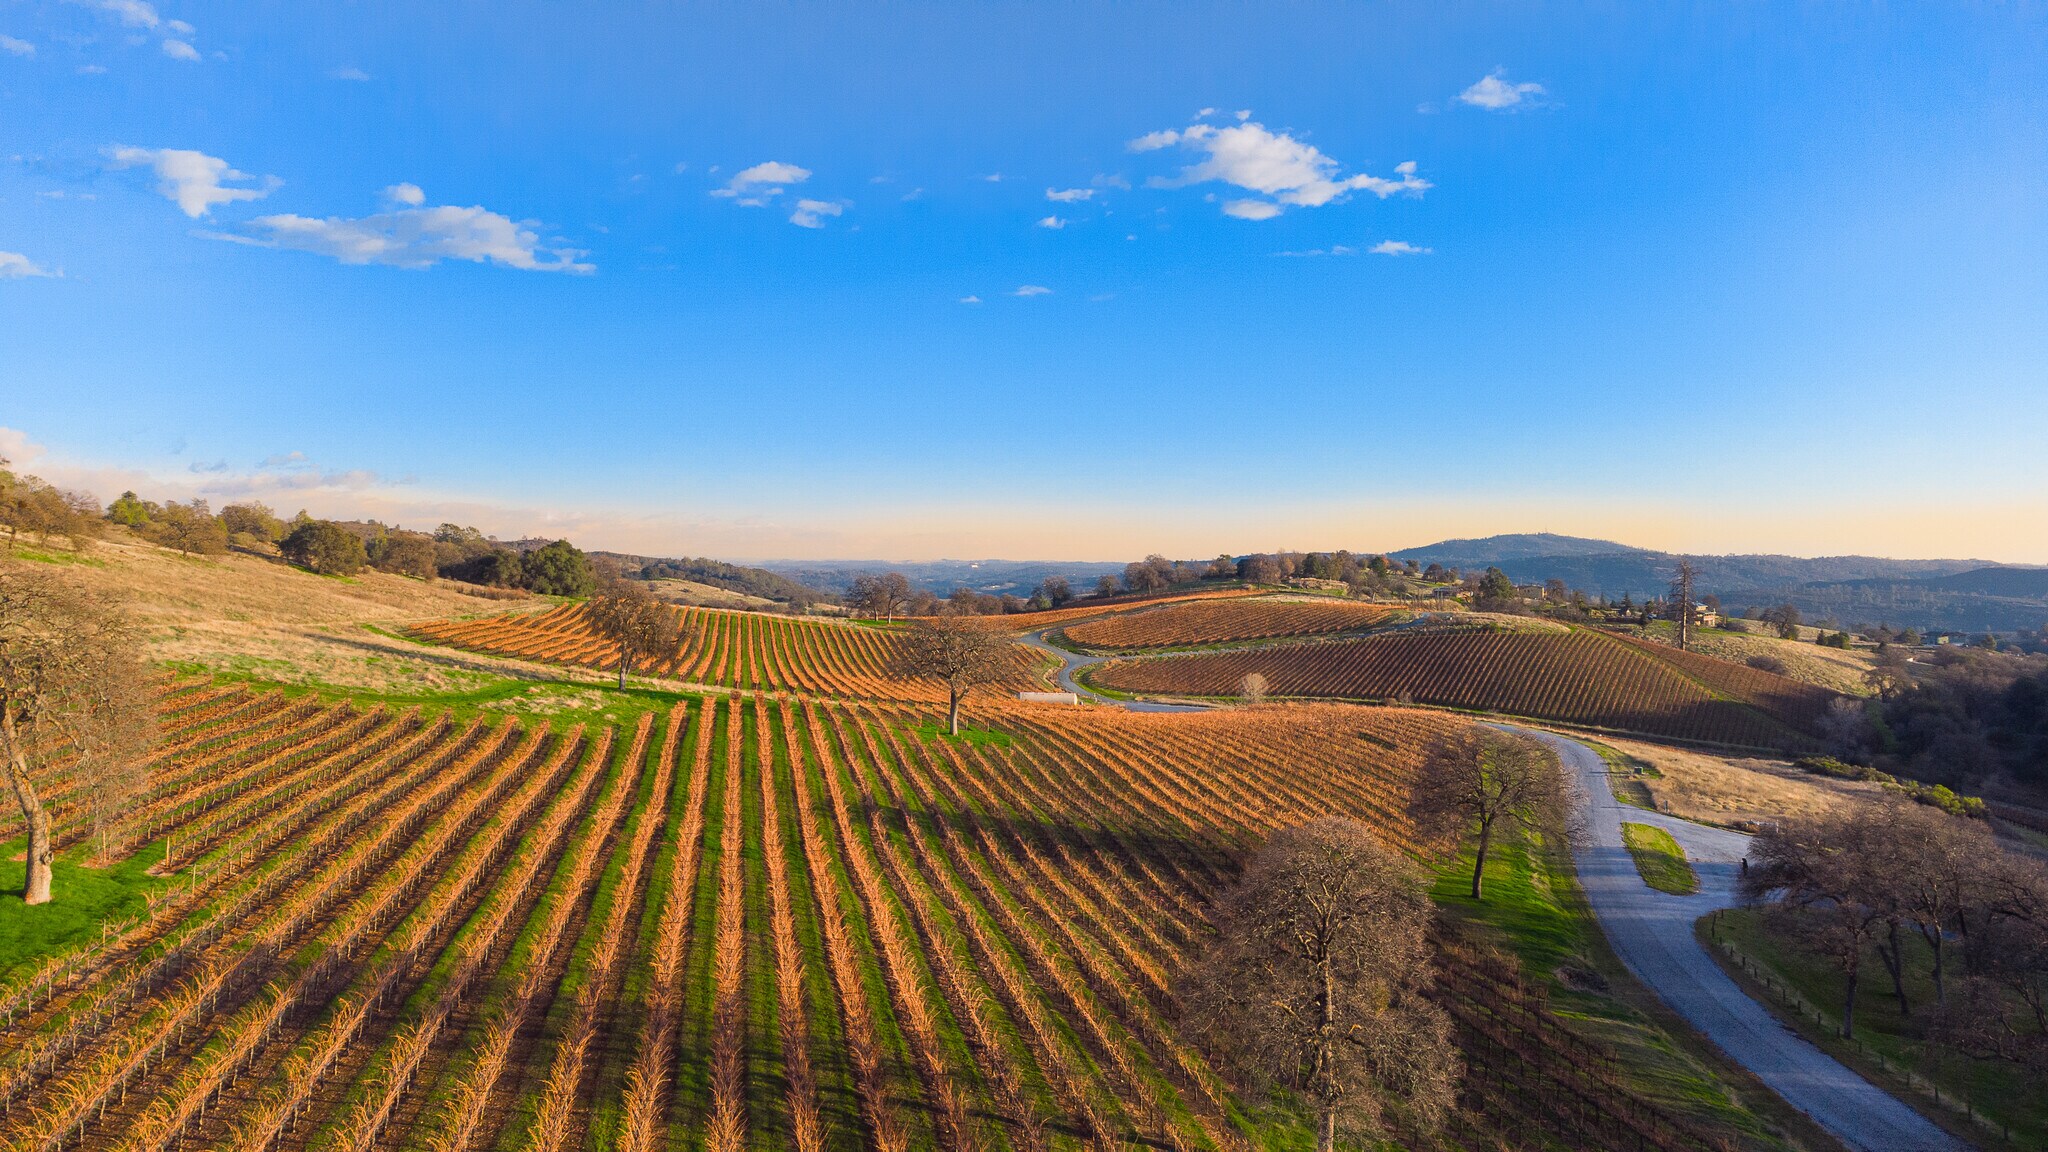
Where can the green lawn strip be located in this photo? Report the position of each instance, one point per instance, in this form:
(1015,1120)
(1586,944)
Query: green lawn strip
(561,1011)
(593,701)
(1533,908)
(1011,1034)
(1659,859)
(957,1055)
(608,1107)
(691,1106)
(934,730)
(1625,775)
(889,1036)
(497,991)
(1889,1049)
(768,1123)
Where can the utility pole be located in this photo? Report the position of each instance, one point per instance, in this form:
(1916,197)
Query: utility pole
(1681,591)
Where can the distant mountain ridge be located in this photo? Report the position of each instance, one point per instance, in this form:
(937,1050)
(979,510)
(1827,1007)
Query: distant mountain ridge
(1960,595)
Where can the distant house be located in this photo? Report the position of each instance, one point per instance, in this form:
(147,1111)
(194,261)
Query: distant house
(1705,617)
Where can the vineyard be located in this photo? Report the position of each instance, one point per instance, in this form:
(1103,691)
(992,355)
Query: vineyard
(1578,677)
(734,922)
(1213,622)
(751,651)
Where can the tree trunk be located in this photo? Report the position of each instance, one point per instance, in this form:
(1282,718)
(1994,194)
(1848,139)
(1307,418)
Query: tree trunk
(625,659)
(953,710)
(35,888)
(1849,1003)
(1326,1033)
(1479,859)
(1894,956)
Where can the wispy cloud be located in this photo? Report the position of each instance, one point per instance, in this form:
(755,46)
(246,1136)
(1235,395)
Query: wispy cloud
(179,50)
(1032,290)
(133,13)
(994,177)
(1052,222)
(1496,93)
(357,75)
(194,181)
(970,299)
(1069,195)
(15,266)
(1285,171)
(411,236)
(1332,250)
(753,186)
(16,47)
(812,213)
(1398,248)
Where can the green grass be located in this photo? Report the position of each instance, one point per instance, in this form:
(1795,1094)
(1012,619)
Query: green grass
(1659,859)
(81,900)
(38,557)
(1886,1043)
(1625,776)
(933,730)
(1533,908)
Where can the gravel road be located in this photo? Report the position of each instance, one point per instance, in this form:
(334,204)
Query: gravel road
(1652,932)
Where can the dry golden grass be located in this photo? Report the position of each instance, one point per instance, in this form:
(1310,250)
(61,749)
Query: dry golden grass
(1804,660)
(697,595)
(1723,790)
(260,617)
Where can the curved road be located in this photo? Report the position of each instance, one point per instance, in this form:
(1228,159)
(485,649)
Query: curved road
(1652,932)
(1069,661)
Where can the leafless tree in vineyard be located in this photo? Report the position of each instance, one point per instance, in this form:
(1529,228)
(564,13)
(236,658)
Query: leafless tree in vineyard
(628,617)
(1491,783)
(884,595)
(959,653)
(1253,689)
(1319,978)
(66,658)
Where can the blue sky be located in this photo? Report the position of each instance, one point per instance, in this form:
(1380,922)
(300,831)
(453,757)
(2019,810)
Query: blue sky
(744,280)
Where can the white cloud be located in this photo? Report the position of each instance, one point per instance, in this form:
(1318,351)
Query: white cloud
(408,194)
(970,299)
(994,177)
(16,47)
(913,194)
(92,70)
(1069,195)
(1332,250)
(414,237)
(15,266)
(180,27)
(812,213)
(1495,93)
(681,167)
(1032,290)
(1288,172)
(192,180)
(1398,248)
(349,73)
(1052,222)
(754,185)
(1251,209)
(133,13)
(179,50)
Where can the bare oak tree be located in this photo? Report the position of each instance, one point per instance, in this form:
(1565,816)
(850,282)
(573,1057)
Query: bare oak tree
(1252,690)
(882,595)
(635,622)
(1487,783)
(1318,980)
(956,651)
(1682,601)
(69,679)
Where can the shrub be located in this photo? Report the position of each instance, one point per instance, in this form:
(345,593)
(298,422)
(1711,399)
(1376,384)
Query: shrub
(1767,664)
(559,569)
